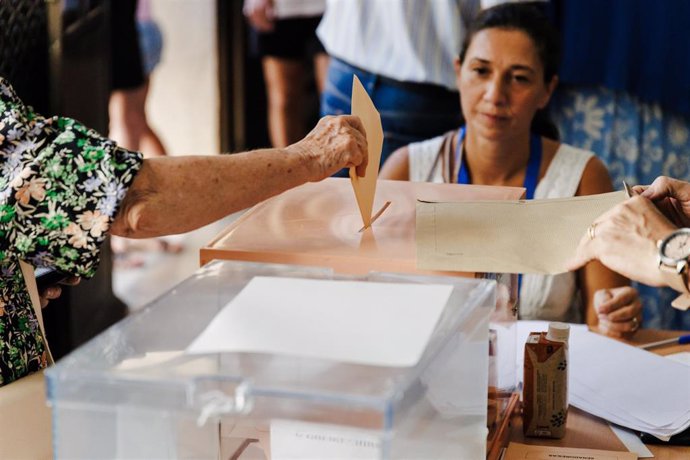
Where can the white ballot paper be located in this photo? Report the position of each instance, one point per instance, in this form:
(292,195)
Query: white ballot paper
(524,236)
(629,386)
(682,357)
(379,324)
(306,441)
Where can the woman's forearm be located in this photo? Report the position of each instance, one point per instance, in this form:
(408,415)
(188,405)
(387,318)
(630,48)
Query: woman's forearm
(177,194)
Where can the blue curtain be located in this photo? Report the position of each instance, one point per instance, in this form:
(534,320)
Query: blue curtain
(641,47)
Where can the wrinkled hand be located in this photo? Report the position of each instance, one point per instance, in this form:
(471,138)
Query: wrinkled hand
(671,196)
(625,241)
(260,14)
(55,291)
(619,310)
(335,143)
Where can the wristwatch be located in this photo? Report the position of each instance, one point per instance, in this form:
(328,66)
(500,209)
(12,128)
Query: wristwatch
(674,251)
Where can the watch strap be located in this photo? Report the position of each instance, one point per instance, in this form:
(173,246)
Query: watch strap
(678,281)
(681,302)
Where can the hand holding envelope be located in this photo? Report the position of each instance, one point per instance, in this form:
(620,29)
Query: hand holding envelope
(624,239)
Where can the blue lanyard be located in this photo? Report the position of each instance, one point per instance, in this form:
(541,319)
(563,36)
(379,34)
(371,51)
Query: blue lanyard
(531,175)
(533,164)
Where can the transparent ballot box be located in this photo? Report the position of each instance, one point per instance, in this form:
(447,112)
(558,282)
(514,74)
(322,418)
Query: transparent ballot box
(318,225)
(137,390)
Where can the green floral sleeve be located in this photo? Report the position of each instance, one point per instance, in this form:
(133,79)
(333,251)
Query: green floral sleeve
(60,187)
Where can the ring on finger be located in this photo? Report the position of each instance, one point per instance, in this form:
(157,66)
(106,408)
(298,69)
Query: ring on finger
(591,231)
(635,324)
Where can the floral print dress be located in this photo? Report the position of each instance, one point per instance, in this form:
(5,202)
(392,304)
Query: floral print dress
(60,188)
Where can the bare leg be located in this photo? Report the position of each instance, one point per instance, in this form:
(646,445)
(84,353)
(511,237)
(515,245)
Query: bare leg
(127,117)
(150,144)
(321,61)
(129,126)
(285,87)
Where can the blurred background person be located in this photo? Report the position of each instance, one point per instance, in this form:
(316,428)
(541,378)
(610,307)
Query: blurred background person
(284,37)
(403,52)
(127,105)
(150,49)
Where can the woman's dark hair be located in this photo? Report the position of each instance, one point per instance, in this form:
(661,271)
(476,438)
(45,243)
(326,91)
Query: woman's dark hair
(527,18)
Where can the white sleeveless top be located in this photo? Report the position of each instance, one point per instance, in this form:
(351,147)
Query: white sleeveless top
(545,297)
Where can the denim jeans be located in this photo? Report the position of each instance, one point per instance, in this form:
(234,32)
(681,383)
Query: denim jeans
(410,112)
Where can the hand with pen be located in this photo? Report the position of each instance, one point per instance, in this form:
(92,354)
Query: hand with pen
(639,238)
(671,197)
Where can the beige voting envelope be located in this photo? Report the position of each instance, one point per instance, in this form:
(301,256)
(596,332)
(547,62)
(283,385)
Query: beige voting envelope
(365,187)
(525,236)
(25,419)
(518,451)
(24,416)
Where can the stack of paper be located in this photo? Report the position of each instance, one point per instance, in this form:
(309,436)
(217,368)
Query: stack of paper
(628,386)
(620,383)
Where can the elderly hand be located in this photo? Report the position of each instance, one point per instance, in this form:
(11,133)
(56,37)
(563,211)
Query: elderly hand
(260,14)
(671,196)
(619,310)
(335,143)
(624,239)
(55,291)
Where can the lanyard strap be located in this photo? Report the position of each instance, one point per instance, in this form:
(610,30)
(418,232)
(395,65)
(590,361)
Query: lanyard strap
(533,164)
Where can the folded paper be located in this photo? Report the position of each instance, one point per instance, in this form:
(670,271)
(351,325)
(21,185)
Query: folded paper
(25,430)
(365,187)
(524,236)
(377,324)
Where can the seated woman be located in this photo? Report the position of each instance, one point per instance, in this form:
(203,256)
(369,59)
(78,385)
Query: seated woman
(506,73)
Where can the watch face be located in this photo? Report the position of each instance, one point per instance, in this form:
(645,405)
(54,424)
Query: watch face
(676,247)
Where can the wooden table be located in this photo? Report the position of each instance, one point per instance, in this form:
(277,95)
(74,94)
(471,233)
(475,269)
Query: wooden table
(588,431)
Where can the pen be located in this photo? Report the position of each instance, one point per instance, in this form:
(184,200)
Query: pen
(628,190)
(682,340)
